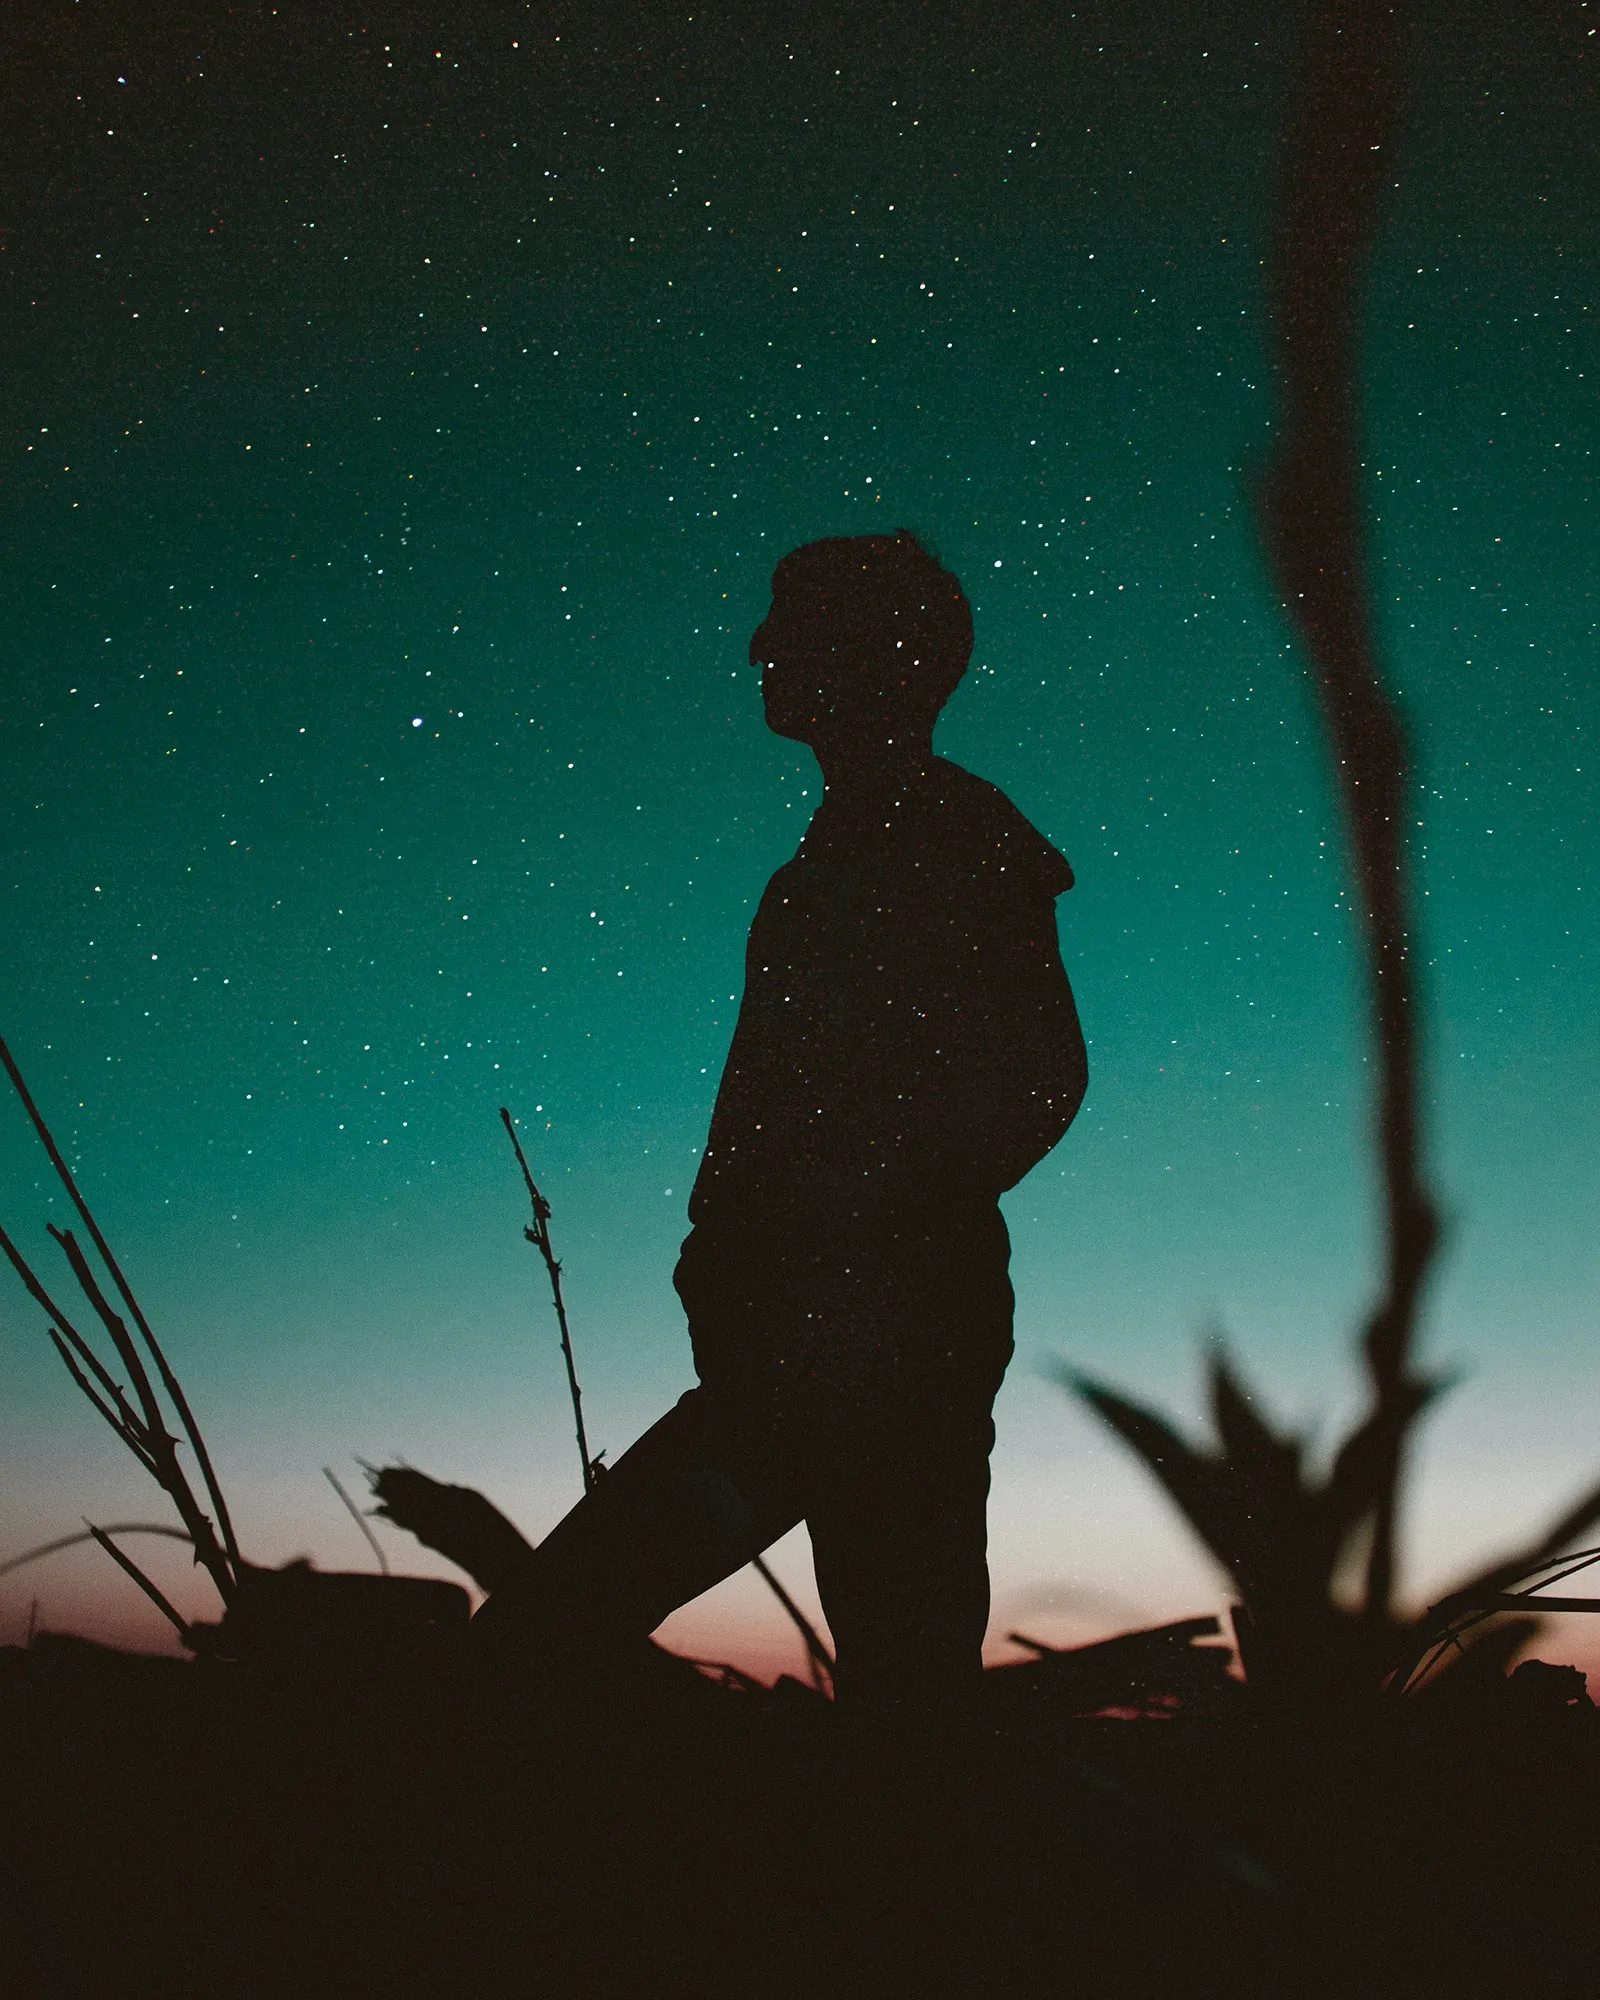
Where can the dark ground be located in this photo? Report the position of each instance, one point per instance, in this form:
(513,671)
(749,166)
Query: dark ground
(209,1829)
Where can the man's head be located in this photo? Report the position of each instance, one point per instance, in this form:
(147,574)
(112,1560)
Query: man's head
(865,641)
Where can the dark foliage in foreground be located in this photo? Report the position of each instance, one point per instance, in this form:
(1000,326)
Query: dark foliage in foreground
(1286,1538)
(204,1828)
(1291,1541)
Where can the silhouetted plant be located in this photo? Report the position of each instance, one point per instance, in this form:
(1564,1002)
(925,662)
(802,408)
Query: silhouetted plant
(538,1234)
(1288,1538)
(140,1420)
(1338,160)
(1439,1631)
(459,1523)
(291,1614)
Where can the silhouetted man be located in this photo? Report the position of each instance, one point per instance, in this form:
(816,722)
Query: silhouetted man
(907,1048)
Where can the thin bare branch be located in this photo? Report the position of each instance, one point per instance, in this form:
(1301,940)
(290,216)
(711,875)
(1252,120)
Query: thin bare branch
(125,1410)
(539,1237)
(147,1438)
(155,1421)
(41,1297)
(123,1425)
(156,1597)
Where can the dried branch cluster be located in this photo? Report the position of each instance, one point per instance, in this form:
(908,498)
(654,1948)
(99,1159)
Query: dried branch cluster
(139,1420)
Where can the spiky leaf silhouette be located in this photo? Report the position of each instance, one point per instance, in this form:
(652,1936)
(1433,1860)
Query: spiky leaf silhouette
(1364,1468)
(1269,1461)
(1285,1541)
(1283,1535)
(1248,1501)
(1203,1487)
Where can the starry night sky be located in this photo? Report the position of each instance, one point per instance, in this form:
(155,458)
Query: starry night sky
(403,413)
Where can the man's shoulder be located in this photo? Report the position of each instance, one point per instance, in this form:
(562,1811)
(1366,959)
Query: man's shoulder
(982,830)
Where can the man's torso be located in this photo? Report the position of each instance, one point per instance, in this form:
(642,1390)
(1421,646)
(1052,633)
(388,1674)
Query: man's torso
(842,1187)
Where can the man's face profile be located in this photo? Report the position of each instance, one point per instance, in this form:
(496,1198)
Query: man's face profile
(858,654)
(796,648)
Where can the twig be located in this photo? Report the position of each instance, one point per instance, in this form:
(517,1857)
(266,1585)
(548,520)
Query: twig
(539,1237)
(734,1678)
(155,1421)
(820,1659)
(162,1604)
(358,1517)
(169,1381)
(30,1278)
(124,1425)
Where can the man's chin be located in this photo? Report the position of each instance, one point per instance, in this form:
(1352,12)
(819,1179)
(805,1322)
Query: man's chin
(796,729)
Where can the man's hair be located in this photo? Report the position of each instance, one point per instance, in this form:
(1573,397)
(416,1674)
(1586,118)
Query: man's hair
(901,616)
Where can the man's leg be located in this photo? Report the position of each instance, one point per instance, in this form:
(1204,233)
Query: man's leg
(687,1505)
(899,1536)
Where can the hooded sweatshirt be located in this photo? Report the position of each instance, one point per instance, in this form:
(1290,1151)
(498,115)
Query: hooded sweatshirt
(907,1048)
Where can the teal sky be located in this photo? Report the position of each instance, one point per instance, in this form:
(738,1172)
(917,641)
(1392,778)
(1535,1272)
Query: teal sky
(401,424)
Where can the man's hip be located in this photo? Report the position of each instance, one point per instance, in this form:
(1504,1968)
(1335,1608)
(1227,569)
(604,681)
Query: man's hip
(884,1307)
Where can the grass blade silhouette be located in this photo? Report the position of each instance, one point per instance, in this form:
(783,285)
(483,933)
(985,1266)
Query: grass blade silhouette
(88,1535)
(358,1517)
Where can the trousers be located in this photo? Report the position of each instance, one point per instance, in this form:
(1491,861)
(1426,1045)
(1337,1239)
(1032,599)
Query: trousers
(894,1499)
(849,1385)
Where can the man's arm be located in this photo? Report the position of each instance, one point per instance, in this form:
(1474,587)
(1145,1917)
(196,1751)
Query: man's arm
(1020,1068)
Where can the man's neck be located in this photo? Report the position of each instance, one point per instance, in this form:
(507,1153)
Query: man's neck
(858,771)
